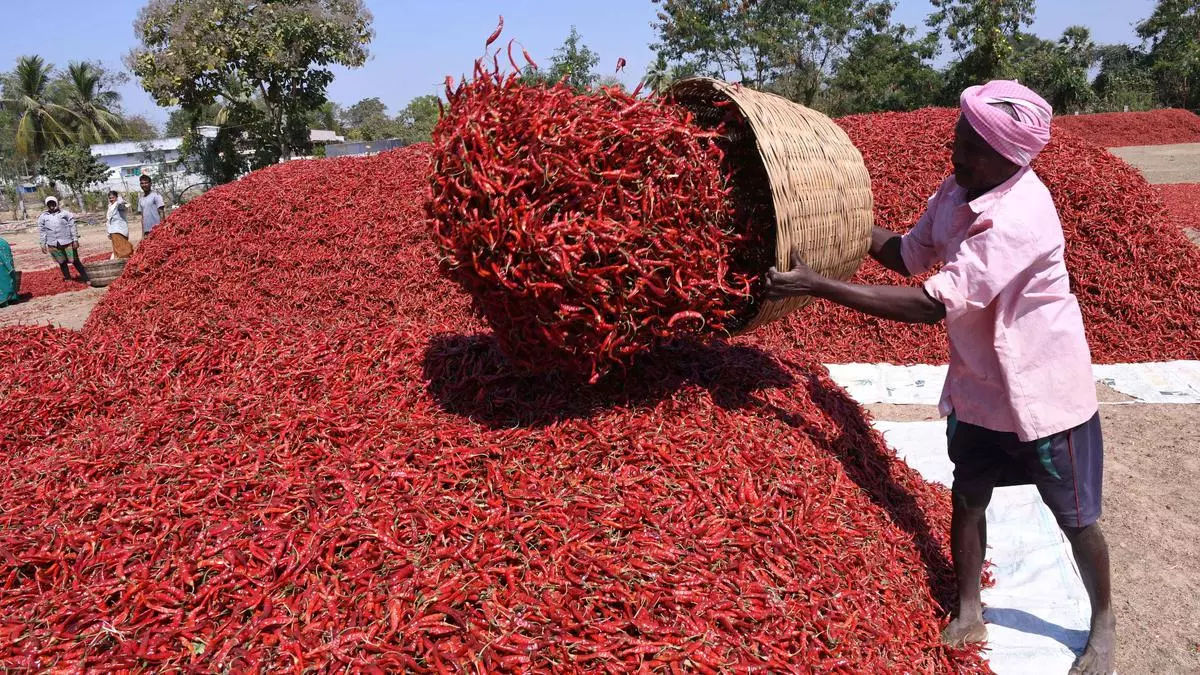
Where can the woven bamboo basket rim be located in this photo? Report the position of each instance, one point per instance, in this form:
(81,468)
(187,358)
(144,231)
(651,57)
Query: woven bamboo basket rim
(819,185)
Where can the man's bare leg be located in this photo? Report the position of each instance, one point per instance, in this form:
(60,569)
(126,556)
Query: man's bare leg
(968,541)
(1091,554)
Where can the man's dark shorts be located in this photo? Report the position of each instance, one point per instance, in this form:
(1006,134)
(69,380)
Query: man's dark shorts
(1067,467)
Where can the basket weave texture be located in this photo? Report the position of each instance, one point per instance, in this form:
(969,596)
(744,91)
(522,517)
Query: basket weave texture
(819,185)
(104,272)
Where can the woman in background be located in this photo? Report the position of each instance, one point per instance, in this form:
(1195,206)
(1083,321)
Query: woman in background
(118,226)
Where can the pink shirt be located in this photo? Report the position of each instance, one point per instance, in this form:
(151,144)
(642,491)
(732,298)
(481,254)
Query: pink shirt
(1019,360)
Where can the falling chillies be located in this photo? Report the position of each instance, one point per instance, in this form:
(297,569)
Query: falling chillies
(588,226)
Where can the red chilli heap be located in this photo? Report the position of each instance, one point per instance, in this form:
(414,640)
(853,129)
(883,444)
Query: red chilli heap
(589,227)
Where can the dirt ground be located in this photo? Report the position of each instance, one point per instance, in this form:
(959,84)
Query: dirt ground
(1164,164)
(1152,471)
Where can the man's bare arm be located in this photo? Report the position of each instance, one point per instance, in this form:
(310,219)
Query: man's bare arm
(885,249)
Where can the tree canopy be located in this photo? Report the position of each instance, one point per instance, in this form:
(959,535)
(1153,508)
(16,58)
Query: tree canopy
(270,60)
(76,167)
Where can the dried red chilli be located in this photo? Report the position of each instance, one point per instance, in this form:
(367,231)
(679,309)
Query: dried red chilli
(1182,202)
(1135,274)
(1155,127)
(307,453)
(585,225)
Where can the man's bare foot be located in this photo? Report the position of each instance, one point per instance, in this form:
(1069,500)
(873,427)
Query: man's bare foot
(964,631)
(1097,658)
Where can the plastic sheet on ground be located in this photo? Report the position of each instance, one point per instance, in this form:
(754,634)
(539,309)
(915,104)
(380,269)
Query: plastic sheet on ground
(1038,611)
(1168,382)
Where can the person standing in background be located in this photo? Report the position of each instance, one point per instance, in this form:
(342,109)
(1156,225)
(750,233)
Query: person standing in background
(60,238)
(118,226)
(151,205)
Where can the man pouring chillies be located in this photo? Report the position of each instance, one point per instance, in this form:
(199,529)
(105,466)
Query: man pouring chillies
(1019,394)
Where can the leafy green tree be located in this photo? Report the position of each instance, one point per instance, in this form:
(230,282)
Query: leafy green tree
(273,57)
(326,116)
(220,159)
(180,121)
(1059,70)
(1125,80)
(789,46)
(984,34)
(574,63)
(415,123)
(76,167)
(1173,33)
(662,74)
(368,120)
(886,71)
(84,89)
(40,122)
(10,165)
(137,128)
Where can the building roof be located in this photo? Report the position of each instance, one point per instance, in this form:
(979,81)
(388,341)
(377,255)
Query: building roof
(324,136)
(135,147)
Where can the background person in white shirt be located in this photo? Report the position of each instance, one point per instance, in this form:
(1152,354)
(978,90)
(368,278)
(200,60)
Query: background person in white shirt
(60,238)
(151,205)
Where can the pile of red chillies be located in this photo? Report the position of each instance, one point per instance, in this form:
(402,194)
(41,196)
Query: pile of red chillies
(589,227)
(1182,201)
(1155,127)
(308,453)
(1136,275)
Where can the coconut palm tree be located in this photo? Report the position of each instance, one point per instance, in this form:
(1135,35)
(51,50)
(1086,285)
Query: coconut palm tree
(41,123)
(96,109)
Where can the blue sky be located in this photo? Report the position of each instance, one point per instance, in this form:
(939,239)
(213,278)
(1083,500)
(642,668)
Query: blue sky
(418,43)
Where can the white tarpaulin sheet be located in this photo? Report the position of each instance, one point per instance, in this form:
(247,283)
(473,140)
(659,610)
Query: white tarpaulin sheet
(1170,382)
(1038,611)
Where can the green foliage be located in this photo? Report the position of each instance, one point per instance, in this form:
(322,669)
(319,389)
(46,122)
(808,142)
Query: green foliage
(85,89)
(788,46)
(1173,31)
(415,123)
(1059,71)
(885,71)
(984,33)
(40,122)
(74,166)
(326,116)
(219,159)
(137,128)
(267,62)
(662,74)
(1126,79)
(181,121)
(574,63)
(367,120)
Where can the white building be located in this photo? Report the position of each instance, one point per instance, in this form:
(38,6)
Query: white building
(130,160)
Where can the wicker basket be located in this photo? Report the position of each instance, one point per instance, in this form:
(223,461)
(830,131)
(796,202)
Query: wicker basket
(104,272)
(817,182)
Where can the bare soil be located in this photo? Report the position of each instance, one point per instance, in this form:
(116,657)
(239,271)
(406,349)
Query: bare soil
(1164,164)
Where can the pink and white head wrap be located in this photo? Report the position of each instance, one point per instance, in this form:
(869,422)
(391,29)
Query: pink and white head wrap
(1018,140)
